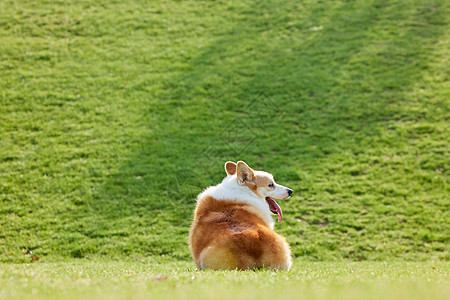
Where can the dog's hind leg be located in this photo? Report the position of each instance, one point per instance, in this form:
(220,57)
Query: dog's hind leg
(217,258)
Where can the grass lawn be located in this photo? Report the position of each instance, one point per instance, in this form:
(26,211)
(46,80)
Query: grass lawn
(114,115)
(152,279)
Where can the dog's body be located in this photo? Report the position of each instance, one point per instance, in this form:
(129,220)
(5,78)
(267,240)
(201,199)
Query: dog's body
(233,226)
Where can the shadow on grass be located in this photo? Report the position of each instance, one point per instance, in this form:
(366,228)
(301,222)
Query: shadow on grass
(285,88)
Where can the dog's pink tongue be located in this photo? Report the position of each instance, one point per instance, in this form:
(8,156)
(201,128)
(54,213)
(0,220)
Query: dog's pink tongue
(280,213)
(275,208)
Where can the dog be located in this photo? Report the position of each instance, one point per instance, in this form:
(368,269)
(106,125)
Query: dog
(233,224)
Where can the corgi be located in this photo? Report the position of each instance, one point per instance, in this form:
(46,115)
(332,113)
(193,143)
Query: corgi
(233,224)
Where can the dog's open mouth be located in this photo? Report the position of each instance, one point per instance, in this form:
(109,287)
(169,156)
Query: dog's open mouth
(275,208)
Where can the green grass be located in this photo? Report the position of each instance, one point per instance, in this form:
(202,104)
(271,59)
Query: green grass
(114,115)
(153,279)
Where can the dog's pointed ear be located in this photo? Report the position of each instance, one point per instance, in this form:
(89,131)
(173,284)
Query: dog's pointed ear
(230,168)
(244,173)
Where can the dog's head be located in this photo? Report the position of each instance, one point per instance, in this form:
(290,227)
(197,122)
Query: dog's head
(261,184)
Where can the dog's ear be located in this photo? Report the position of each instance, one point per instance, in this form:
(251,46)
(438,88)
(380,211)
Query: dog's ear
(230,168)
(244,173)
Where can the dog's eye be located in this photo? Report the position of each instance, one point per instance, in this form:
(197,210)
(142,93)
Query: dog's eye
(271,185)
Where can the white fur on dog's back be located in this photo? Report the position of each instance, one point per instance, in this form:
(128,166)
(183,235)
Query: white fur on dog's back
(229,189)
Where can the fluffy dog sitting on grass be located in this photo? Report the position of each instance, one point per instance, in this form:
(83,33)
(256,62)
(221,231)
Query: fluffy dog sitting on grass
(233,225)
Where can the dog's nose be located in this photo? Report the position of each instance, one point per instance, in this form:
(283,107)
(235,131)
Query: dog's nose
(289,192)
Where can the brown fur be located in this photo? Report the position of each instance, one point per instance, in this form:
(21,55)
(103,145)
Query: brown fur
(230,168)
(256,182)
(231,235)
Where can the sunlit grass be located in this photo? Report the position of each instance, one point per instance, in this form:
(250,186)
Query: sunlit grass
(147,279)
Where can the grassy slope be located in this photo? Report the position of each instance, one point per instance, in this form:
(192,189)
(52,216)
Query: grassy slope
(113,116)
(169,280)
